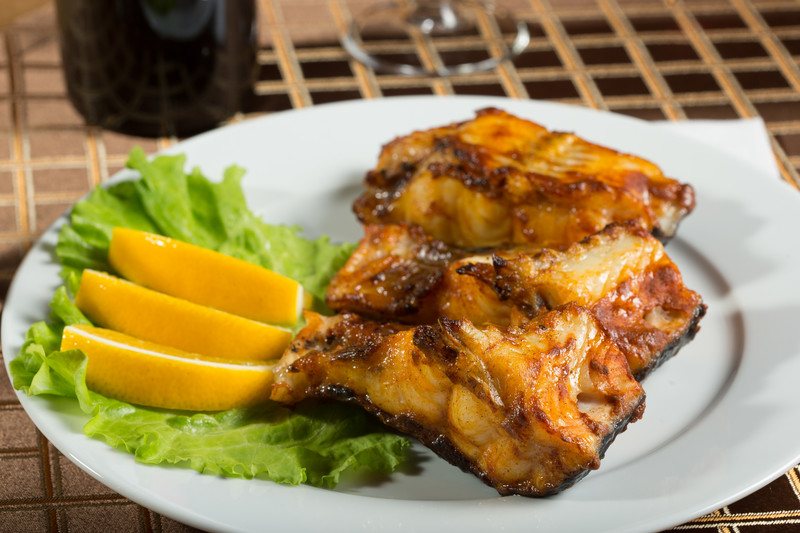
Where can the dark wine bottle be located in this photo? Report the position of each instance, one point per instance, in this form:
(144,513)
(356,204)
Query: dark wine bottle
(158,67)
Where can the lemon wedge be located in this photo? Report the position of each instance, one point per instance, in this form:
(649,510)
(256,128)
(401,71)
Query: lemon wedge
(205,277)
(146,373)
(120,305)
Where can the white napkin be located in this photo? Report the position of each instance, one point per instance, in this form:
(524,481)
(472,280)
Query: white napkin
(745,139)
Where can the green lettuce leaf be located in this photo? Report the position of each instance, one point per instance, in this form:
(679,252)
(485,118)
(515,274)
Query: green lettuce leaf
(189,207)
(314,443)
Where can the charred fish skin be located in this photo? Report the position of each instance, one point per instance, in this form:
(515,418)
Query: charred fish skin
(499,180)
(528,410)
(623,276)
(447,450)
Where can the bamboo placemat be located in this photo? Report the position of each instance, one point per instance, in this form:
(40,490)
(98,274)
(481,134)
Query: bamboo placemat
(652,59)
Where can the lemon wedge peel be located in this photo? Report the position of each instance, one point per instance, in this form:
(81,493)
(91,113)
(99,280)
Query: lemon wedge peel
(145,373)
(145,314)
(205,277)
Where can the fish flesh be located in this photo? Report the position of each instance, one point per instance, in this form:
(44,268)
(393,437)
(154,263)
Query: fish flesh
(399,273)
(528,410)
(500,180)
(621,274)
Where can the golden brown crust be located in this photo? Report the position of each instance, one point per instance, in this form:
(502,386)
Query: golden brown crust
(642,301)
(621,274)
(498,180)
(399,273)
(651,316)
(391,273)
(528,410)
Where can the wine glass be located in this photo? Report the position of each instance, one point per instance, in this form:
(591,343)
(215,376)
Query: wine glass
(434,18)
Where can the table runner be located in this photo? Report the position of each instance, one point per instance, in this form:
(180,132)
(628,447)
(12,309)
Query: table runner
(646,58)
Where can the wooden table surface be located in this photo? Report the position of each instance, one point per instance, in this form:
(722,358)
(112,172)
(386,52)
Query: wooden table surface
(651,59)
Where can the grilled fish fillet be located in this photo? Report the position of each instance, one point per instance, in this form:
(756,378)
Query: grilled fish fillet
(497,180)
(399,273)
(528,410)
(622,275)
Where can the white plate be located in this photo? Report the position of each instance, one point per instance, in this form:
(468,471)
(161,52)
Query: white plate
(721,416)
